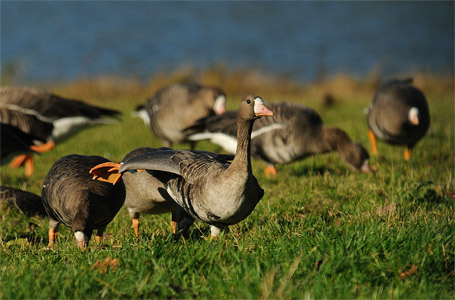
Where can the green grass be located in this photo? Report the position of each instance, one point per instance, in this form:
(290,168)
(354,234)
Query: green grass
(321,230)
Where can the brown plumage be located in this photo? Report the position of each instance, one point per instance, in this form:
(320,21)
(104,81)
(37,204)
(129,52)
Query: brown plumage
(294,132)
(49,117)
(28,203)
(145,194)
(398,115)
(203,183)
(71,197)
(178,106)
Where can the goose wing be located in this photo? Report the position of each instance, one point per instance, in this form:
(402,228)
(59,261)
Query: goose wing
(191,165)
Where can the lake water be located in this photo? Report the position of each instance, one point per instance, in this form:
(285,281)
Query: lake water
(49,41)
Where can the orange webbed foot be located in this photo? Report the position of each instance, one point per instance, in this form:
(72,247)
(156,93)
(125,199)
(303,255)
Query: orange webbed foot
(270,171)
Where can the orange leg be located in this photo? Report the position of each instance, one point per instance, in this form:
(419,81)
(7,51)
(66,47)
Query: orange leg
(99,238)
(19,160)
(174,227)
(136,226)
(407,154)
(52,235)
(374,149)
(29,166)
(270,171)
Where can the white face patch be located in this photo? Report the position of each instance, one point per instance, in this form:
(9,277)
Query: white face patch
(219,106)
(413,116)
(257,103)
(80,236)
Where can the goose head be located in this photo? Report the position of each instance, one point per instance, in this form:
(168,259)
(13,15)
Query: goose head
(356,156)
(252,107)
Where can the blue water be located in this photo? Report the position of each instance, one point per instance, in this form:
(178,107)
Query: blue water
(52,41)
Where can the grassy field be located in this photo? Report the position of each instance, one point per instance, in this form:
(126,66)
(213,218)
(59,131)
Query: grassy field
(321,230)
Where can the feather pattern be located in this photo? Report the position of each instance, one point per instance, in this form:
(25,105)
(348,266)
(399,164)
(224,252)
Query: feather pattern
(294,132)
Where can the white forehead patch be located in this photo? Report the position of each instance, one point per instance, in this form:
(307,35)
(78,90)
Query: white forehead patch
(258,100)
(413,115)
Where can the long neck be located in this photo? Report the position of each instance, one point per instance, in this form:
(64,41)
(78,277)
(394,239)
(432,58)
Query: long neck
(242,158)
(334,138)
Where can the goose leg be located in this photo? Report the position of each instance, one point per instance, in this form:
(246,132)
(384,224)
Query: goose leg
(374,149)
(53,225)
(181,221)
(135,220)
(99,235)
(407,153)
(19,160)
(270,171)
(29,166)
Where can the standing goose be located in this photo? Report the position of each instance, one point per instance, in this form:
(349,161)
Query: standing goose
(294,132)
(398,115)
(71,197)
(47,116)
(146,194)
(28,203)
(178,106)
(202,183)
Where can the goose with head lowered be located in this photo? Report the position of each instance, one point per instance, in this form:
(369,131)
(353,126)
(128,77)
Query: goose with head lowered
(202,183)
(398,115)
(47,116)
(146,194)
(294,132)
(72,198)
(28,203)
(178,106)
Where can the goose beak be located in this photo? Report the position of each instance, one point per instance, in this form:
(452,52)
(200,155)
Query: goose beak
(260,110)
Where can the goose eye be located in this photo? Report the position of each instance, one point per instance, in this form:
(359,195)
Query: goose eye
(248,101)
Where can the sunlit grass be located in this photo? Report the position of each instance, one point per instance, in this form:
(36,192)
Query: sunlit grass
(321,230)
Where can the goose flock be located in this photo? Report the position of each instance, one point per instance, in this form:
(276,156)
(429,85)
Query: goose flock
(86,192)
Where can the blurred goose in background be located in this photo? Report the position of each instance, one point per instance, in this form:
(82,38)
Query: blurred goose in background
(28,203)
(398,115)
(146,194)
(204,184)
(71,197)
(13,141)
(178,106)
(294,132)
(47,116)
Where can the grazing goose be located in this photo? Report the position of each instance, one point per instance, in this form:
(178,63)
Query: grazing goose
(71,197)
(398,115)
(146,194)
(13,140)
(203,183)
(178,106)
(47,116)
(294,132)
(29,203)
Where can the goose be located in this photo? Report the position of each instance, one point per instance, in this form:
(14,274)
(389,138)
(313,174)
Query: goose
(147,195)
(13,140)
(72,198)
(47,116)
(178,106)
(398,115)
(203,183)
(294,132)
(28,203)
